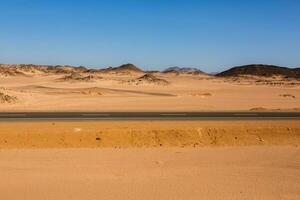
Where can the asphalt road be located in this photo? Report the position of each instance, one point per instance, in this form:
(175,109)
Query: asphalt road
(146,115)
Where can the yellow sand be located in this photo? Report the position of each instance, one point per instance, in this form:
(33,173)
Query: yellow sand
(112,93)
(59,134)
(268,173)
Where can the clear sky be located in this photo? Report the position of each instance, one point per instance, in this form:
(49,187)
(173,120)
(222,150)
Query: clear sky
(153,34)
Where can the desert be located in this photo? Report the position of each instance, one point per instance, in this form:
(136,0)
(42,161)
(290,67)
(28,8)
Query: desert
(257,159)
(129,88)
(153,158)
(149,100)
(175,173)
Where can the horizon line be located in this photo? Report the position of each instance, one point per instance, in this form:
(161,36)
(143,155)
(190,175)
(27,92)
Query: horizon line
(145,70)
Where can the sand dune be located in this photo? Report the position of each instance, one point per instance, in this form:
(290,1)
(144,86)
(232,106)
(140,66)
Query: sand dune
(66,91)
(76,77)
(199,94)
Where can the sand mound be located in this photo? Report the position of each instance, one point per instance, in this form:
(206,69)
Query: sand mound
(92,91)
(258,109)
(148,79)
(60,91)
(4,98)
(274,109)
(65,69)
(76,77)
(280,82)
(288,95)
(199,94)
(273,81)
(40,69)
(7,72)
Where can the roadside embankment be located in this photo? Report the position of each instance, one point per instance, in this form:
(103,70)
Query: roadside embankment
(128,134)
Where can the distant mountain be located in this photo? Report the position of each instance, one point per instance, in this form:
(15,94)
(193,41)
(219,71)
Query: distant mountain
(126,68)
(23,69)
(261,70)
(253,69)
(185,70)
(213,73)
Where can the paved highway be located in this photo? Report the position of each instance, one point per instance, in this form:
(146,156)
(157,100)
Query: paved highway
(146,115)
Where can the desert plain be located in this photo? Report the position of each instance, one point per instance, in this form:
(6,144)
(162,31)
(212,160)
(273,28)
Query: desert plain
(147,159)
(128,88)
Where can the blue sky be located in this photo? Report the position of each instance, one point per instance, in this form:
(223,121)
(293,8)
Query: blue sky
(153,34)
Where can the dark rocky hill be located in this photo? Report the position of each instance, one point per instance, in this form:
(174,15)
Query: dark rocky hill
(261,70)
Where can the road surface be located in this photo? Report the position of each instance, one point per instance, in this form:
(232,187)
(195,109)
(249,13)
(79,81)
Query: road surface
(146,115)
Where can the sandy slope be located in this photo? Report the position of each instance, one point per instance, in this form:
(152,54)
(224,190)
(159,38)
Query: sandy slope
(206,173)
(184,92)
(127,134)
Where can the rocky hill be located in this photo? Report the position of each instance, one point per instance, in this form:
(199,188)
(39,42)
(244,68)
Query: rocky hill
(26,69)
(76,77)
(22,69)
(183,70)
(6,72)
(148,79)
(126,68)
(5,98)
(261,70)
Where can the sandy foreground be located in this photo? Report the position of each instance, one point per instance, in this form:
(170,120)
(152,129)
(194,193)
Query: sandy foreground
(57,160)
(113,92)
(176,173)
